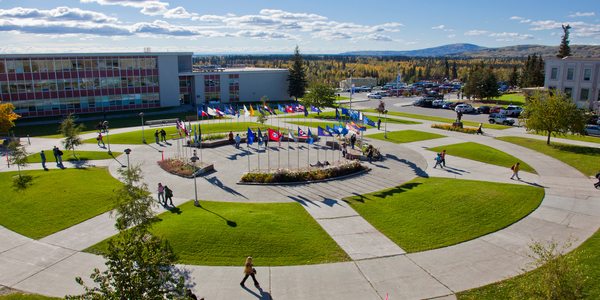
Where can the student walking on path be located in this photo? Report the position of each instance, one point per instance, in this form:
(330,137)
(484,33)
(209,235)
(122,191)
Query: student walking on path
(156,136)
(161,193)
(438,161)
(55,153)
(443,155)
(163,135)
(238,140)
(480,129)
(99,139)
(249,270)
(168,195)
(352,140)
(378,124)
(59,162)
(515,169)
(43,157)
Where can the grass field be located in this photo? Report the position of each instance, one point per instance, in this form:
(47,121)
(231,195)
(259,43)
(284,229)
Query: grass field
(584,159)
(21,296)
(588,256)
(135,137)
(483,153)
(440,119)
(506,99)
(56,200)
(405,136)
(221,233)
(573,137)
(429,213)
(68,155)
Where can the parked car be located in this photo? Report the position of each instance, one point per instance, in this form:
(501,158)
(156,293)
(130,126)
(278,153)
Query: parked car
(495,109)
(464,108)
(512,111)
(374,96)
(451,105)
(499,118)
(423,102)
(592,129)
(437,103)
(484,109)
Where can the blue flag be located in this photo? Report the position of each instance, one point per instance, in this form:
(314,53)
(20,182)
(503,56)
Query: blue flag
(315,109)
(337,114)
(369,121)
(330,130)
(259,137)
(310,139)
(322,132)
(250,138)
(345,111)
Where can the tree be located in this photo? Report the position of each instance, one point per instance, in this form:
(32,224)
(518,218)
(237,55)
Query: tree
(297,77)
(319,95)
(7,117)
(552,114)
(532,74)
(454,71)
(513,79)
(71,132)
(18,155)
(564,49)
(139,264)
(481,83)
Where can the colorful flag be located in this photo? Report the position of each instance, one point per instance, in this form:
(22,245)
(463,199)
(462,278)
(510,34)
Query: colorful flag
(219,113)
(211,111)
(291,136)
(274,135)
(315,109)
(289,108)
(251,110)
(321,132)
(281,108)
(310,139)
(369,121)
(301,133)
(345,111)
(259,137)
(250,137)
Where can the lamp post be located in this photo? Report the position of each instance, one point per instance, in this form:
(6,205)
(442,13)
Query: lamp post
(351,87)
(143,136)
(385,125)
(105,123)
(194,159)
(127,151)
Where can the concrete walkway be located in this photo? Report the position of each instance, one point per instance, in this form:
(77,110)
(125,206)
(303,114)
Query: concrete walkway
(570,209)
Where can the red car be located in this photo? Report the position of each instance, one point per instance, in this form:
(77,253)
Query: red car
(495,109)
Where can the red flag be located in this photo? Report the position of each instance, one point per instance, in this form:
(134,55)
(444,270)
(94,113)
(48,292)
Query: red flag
(204,114)
(274,135)
(289,109)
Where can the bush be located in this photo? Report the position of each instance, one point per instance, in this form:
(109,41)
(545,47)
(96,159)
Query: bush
(311,174)
(177,167)
(449,127)
(21,182)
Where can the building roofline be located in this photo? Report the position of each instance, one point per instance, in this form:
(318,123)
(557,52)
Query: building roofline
(234,70)
(30,55)
(572,58)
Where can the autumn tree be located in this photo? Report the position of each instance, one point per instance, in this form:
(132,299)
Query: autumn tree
(552,114)
(7,117)
(297,76)
(564,49)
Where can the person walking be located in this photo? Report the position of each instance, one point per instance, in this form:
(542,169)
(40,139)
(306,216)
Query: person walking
(55,153)
(238,140)
(378,124)
(266,139)
(43,157)
(168,195)
(156,136)
(352,140)
(438,161)
(443,155)
(597,184)
(163,135)
(100,140)
(515,168)
(161,193)
(344,149)
(249,270)
(480,129)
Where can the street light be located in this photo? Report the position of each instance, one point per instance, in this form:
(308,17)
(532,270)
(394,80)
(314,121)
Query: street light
(385,125)
(143,136)
(351,87)
(194,159)
(105,123)
(127,151)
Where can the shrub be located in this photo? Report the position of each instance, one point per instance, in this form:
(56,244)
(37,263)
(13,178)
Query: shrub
(449,127)
(177,167)
(311,174)
(21,182)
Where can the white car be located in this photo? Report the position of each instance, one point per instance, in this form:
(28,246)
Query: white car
(512,111)
(373,96)
(464,108)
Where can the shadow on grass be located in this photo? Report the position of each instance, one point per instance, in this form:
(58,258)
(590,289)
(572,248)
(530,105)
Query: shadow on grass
(576,149)
(230,223)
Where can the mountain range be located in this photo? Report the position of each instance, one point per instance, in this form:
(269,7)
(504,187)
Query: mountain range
(470,50)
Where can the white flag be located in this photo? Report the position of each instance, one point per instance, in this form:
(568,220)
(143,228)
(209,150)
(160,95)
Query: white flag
(246,112)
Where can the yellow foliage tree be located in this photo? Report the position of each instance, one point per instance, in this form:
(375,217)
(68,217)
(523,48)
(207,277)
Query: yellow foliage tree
(7,116)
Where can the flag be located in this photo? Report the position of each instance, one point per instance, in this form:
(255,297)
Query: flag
(199,133)
(268,109)
(274,135)
(301,133)
(259,137)
(360,115)
(310,139)
(246,112)
(281,108)
(204,114)
(250,137)
(300,108)
(251,110)
(321,132)
(291,136)
(229,111)
(344,131)
(289,108)
(200,111)
(315,109)
(211,111)
(219,113)
(337,114)
(369,122)
(345,111)
(330,130)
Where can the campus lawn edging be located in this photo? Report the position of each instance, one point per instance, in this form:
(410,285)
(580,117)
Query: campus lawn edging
(430,213)
(483,153)
(224,234)
(405,136)
(585,159)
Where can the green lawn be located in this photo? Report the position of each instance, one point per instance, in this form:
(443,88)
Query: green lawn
(483,153)
(506,99)
(574,137)
(222,233)
(21,296)
(405,136)
(56,200)
(68,155)
(135,137)
(584,159)
(588,255)
(439,119)
(429,213)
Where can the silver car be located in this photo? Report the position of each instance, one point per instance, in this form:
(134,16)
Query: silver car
(592,129)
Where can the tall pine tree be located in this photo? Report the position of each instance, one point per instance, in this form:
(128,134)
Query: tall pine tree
(297,77)
(564,50)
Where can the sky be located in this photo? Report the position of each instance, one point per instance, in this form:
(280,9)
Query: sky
(317,27)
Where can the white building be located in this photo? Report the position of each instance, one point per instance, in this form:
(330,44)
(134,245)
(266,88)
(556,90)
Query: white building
(577,77)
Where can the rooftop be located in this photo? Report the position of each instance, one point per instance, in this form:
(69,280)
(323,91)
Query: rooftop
(573,58)
(231,70)
(29,55)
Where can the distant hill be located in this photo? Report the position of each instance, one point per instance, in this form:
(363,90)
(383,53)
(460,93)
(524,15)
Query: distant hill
(445,50)
(470,50)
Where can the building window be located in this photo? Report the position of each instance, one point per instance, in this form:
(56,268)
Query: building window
(569,92)
(584,94)
(570,72)
(212,88)
(554,73)
(234,87)
(587,74)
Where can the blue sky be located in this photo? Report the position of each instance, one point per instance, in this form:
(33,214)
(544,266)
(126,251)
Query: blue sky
(244,26)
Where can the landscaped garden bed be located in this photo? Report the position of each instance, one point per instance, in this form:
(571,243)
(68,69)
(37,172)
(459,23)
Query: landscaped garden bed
(451,127)
(185,169)
(304,175)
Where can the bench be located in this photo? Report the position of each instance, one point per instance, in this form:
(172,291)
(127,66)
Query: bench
(163,122)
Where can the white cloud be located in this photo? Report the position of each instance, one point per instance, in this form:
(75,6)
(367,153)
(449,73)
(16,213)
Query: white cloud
(178,13)
(442,28)
(476,32)
(56,14)
(375,37)
(451,36)
(148,7)
(582,14)
(520,19)
(510,36)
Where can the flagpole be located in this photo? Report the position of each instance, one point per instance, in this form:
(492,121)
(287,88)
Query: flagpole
(258,152)
(288,149)
(308,153)
(298,150)
(278,147)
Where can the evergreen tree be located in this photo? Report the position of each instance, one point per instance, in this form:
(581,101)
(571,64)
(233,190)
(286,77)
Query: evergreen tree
(513,79)
(564,49)
(454,71)
(297,77)
(446,69)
